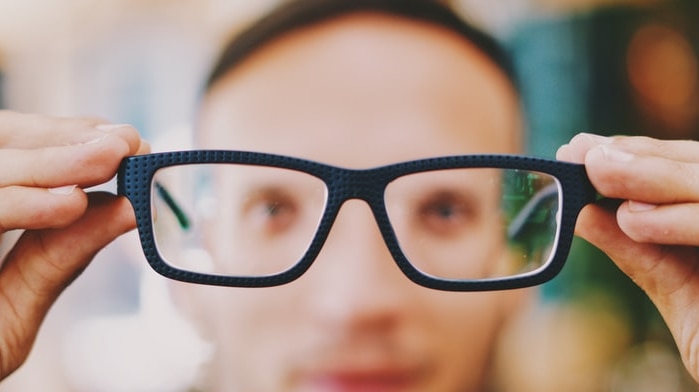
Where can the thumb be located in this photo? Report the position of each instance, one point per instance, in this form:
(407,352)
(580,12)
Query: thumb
(43,263)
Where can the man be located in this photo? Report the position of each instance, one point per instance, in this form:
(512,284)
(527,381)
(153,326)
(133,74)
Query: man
(360,87)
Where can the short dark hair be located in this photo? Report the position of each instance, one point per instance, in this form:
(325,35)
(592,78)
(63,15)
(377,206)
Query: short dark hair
(296,14)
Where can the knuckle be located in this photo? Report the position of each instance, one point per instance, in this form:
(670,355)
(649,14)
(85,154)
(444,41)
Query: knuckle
(611,183)
(642,228)
(643,234)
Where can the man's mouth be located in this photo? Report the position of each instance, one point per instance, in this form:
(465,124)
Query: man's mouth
(384,378)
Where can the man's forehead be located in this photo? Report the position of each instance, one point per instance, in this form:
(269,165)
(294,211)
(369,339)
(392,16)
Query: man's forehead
(367,73)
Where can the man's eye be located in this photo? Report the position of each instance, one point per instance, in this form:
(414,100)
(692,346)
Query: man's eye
(271,216)
(443,211)
(274,209)
(445,216)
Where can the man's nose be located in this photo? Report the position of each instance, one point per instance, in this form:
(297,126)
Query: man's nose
(354,277)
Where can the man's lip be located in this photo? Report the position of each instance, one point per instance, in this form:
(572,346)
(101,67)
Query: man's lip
(382,379)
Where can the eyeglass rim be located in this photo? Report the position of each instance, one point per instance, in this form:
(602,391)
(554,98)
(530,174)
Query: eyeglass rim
(135,175)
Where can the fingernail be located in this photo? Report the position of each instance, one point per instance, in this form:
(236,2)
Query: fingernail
(95,140)
(106,129)
(614,155)
(561,150)
(63,190)
(637,206)
(597,139)
(111,127)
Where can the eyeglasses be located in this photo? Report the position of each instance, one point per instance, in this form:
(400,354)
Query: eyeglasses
(458,223)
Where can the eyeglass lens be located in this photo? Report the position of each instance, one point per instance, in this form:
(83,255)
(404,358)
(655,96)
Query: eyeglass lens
(248,220)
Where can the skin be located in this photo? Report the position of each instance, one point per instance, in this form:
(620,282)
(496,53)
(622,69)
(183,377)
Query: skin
(359,91)
(46,162)
(653,235)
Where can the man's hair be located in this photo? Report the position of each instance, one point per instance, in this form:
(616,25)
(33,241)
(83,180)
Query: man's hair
(296,14)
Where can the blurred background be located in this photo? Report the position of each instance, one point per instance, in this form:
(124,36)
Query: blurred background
(612,67)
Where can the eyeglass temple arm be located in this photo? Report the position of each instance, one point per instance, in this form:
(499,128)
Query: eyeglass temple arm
(521,218)
(181,216)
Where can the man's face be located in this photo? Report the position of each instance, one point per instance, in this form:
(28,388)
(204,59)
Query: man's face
(359,91)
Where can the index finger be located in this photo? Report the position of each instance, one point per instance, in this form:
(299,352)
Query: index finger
(582,143)
(621,174)
(31,131)
(86,164)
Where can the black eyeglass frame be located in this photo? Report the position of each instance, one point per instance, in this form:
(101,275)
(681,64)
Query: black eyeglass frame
(135,178)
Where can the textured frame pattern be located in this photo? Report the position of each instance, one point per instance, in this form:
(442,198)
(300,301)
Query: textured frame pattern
(135,177)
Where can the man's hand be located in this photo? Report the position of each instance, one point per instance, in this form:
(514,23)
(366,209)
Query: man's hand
(653,236)
(45,163)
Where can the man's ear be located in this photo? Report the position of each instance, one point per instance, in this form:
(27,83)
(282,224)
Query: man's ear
(578,342)
(194,302)
(515,303)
